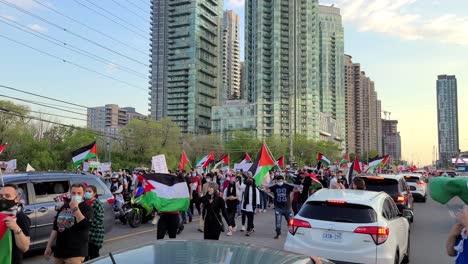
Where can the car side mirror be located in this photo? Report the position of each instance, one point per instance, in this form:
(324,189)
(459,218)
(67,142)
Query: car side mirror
(408,214)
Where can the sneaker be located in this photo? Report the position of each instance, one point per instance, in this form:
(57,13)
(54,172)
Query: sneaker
(242,229)
(264,210)
(234,229)
(249,233)
(229,233)
(277,236)
(199,230)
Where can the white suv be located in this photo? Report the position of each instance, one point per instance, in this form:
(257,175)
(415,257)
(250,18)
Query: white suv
(418,186)
(351,226)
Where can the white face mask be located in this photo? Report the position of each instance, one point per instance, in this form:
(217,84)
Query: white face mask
(280,183)
(208,180)
(79,199)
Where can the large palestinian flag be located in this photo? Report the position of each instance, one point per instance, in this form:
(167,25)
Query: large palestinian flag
(376,162)
(205,161)
(85,153)
(354,168)
(5,241)
(262,165)
(166,192)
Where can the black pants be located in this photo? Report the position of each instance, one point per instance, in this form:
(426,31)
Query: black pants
(250,219)
(168,223)
(93,252)
(195,200)
(211,230)
(231,214)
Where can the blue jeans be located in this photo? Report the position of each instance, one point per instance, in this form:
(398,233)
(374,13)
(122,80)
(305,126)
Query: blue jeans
(279,213)
(263,200)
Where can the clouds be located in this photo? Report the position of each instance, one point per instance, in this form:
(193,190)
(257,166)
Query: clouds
(26,4)
(37,27)
(392,17)
(235,3)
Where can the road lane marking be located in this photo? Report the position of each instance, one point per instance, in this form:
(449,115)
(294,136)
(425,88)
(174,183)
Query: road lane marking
(137,233)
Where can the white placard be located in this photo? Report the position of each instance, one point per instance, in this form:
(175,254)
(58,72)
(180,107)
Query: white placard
(158,164)
(103,167)
(9,166)
(244,166)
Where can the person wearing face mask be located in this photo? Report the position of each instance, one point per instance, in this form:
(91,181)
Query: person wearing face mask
(195,187)
(231,195)
(96,231)
(71,229)
(209,179)
(213,205)
(282,200)
(250,199)
(17,221)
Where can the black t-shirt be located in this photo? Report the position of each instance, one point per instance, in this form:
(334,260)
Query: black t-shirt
(305,190)
(24,223)
(282,195)
(72,237)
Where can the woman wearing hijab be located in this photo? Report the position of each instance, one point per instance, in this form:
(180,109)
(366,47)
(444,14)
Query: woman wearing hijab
(250,199)
(214,206)
(231,195)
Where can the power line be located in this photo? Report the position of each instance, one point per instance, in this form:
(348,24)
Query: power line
(71,47)
(145,2)
(72,63)
(111,19)
(131,11)
(137,6)
(71,32)
(91,28)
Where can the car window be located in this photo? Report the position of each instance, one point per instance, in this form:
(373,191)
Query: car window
(23,193)
(90,181)
(389,186)
(387,210)
(348,213)
(396,211)
(47,191)
(412,179)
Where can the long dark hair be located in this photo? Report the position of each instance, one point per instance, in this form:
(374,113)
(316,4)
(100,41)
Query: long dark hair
(92,187)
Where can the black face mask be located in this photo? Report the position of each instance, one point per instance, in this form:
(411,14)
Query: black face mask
(6,204)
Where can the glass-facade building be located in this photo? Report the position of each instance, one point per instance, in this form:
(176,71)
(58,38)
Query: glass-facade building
(281,66)
(447,117)
(231,57)
(331,70)
(186,61)
(232,116)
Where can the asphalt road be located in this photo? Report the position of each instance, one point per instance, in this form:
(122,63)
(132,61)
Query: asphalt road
(431,225)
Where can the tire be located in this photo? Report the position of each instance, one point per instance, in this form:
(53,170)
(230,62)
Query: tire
(397,258)
(134,218)
(406,258)
(424,199)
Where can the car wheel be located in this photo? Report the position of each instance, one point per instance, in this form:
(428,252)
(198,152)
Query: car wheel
(406,259)
(397,258)
(424,199)
(134,219)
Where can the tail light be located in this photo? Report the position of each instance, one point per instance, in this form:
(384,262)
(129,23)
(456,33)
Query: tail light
(378,233)
(401,199)
(111,200)
(336,202)
(294,224)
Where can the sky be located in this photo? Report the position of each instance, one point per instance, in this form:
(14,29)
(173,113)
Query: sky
(401,44)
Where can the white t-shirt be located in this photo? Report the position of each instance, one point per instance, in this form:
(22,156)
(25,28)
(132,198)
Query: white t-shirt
(333,183)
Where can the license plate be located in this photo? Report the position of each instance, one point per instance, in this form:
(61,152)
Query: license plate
(332,236)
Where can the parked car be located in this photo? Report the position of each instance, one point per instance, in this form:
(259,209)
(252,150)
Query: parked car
(351,226)
(393,185)
(417,185)
(37,191)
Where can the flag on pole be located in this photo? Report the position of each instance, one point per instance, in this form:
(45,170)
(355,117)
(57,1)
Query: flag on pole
(246,159)
(5,241)
(183,160)
(323,159)
(344,160)
(280,162)
(2,147)
(354,168)
(262,165)
(223,160)
(205,161)
(376,162)
(170,193)
(85,153)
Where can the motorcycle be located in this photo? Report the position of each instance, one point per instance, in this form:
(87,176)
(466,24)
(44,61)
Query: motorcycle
(138,211)
(122,214)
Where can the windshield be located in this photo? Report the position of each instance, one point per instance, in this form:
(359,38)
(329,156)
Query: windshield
(389,186)
(412,179)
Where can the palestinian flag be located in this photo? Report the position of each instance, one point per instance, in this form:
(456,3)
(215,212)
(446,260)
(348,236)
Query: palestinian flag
(2,147)
(262,166)
(85,153)
(345,160)
(183,161)
(246,159)
(205,161)
(355,168)
(376,162)
(316,184)
(321,158)
(280,162)
(223,160)
(5,241)
(166,192)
